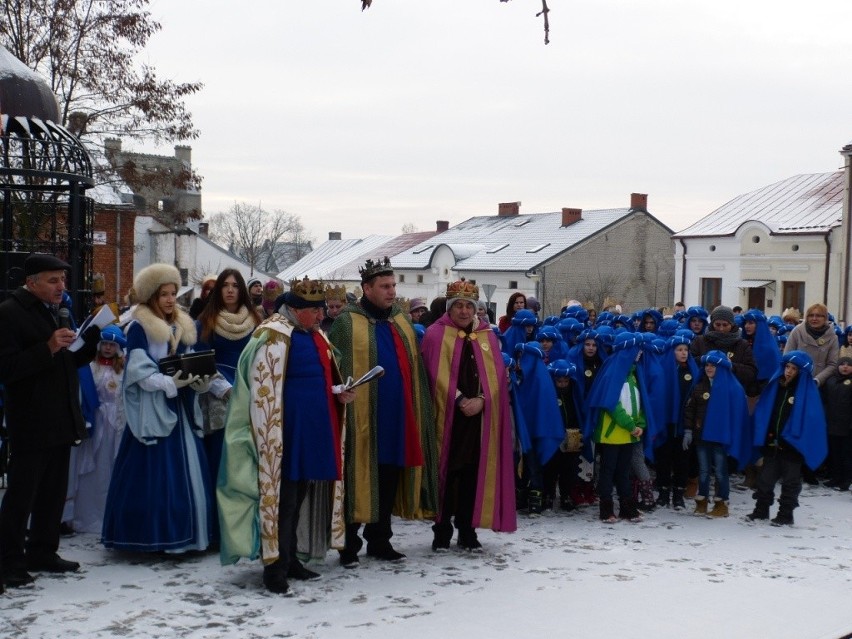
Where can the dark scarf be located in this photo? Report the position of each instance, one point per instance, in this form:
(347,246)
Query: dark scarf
(374,311)
(816,333)
(722,341)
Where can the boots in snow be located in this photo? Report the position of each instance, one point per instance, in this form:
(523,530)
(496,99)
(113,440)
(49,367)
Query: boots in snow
(700,505)
(677,499)
(720,509)
(663,498)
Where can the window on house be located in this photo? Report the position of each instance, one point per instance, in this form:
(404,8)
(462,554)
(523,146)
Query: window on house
(401,278)
(513,284)
(711,292)
(794,295)
(419,279)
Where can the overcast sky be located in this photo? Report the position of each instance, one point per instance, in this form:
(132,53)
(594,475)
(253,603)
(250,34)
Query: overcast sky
(422,110)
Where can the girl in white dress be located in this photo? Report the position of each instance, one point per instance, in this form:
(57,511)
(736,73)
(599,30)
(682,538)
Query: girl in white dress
(95,456)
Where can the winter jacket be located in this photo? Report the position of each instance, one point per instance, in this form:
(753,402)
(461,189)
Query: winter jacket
(42,390)
(824,350)
(696,408)
(739,352)
(837,399)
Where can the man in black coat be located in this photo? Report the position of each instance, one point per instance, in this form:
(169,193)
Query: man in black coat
(43,415)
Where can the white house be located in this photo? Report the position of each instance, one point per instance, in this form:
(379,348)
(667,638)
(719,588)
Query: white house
(777,247)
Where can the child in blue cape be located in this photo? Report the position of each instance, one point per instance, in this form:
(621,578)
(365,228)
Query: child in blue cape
(716,419)
(616,420)
(671,455)
(521,331)
(536,399)
(563,468)
(551,343)
(789,425)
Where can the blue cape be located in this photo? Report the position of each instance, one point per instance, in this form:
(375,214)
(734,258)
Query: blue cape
(521,433)
(606,389)
(726,421)
(805,429)
(765,349)
(538,402)
(674,400)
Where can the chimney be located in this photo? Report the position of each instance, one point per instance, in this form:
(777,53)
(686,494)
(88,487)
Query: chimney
(569,216)
(203,228)
(334,235)
(508,209)
(639,202)
(442,225)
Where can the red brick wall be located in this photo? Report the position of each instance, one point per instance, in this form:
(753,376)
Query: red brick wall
(105,255)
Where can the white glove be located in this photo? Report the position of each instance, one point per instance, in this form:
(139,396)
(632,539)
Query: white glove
(687,439)
(180,383)
(201,384)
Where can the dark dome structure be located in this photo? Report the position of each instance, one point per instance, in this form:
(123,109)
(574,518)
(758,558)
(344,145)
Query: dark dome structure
(44,173)
(24,92)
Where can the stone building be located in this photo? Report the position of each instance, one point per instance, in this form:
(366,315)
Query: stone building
(163,185)
(621,255)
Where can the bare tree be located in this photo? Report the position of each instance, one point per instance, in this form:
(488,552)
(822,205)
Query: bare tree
(87,50)
(408,227)
(252,233)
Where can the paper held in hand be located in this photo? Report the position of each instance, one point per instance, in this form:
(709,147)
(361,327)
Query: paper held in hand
(102,318)
(370,375)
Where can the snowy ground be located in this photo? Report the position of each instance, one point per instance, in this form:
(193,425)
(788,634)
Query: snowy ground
(563,575)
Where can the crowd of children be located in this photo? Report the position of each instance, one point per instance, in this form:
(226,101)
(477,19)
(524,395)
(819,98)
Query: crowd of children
(696,395)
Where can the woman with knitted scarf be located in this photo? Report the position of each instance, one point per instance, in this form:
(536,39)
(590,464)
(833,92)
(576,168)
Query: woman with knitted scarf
(225,325)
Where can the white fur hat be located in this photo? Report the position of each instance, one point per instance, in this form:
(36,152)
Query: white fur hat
(150,278)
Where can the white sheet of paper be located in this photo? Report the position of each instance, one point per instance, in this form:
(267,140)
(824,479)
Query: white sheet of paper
(102,318)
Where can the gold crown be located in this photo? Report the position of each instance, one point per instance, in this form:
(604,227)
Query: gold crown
(372,269)
(335,293)
(310,290)
(462,290)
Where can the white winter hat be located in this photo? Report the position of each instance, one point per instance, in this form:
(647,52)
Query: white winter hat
(150,278)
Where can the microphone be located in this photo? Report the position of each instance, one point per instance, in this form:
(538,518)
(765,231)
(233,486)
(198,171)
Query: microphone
(64,317)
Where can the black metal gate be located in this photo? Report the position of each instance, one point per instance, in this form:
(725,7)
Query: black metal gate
(44,173)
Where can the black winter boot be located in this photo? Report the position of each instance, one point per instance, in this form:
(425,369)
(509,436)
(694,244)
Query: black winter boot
(677,499)
(628,510)
(663,497)
(443,536)
(535,504)
(761,511)
(607,510)
(783,518)
(468,540)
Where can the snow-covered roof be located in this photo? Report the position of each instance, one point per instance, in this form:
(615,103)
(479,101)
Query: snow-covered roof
(811,203)
(510,243)
(331,260)
(338,260)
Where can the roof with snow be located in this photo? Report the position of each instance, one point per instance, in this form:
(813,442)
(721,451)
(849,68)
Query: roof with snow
(811,203)
(338,260)
(510,243)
